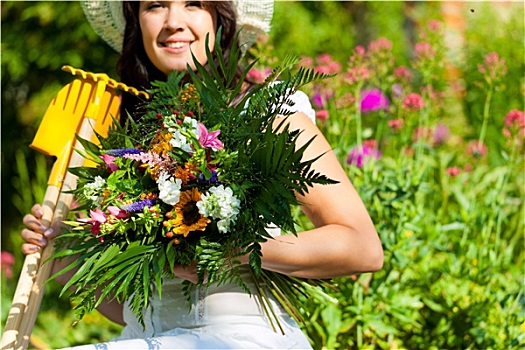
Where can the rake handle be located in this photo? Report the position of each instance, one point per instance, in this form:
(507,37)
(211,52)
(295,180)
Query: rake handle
(60,213)
(27,276)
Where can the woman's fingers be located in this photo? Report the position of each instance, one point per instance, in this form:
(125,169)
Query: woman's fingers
(29,248)
(33,223)
(33,237)
(37,211)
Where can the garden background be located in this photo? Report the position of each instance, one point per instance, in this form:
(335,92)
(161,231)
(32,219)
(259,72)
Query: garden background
(426,115)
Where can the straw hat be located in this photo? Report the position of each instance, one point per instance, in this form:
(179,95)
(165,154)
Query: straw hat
(107,19)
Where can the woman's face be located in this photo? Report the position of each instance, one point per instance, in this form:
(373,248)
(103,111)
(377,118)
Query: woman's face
(173,30)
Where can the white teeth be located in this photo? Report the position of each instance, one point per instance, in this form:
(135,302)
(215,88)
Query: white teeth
(175,45)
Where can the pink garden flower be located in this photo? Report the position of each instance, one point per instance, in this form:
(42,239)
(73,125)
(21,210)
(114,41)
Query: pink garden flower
(396,124)
(7,260)
(515,125)
(493,67)
(256,76)
(403,73)
(453,171)
(424,50)
(322,70)
(357,74)
(358,156)
(435,26)
(327,65)
(381,44)
(413,102)
(373,100)
(209,139)
(515,119)
(322,115)
(324,58)
(476,149)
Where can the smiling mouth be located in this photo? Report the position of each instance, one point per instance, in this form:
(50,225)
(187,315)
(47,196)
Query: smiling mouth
(176,44)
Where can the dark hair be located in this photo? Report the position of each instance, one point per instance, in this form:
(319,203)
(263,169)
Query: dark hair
(134,67)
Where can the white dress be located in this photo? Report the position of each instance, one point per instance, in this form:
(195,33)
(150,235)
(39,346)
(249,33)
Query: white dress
(220,317)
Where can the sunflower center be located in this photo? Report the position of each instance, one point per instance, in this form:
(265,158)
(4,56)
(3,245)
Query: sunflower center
(190,213)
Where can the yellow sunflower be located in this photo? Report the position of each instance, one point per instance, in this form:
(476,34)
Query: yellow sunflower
(188,217)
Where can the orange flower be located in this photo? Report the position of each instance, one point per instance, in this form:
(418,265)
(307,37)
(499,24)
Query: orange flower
(188,217)
(161,143)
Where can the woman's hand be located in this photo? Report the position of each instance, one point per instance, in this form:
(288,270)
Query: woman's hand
(36,235)
(188,273)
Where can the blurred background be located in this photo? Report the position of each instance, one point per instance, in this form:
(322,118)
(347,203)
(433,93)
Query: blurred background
(39,37)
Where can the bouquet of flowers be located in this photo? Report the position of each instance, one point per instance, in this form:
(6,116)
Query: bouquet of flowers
(197,178)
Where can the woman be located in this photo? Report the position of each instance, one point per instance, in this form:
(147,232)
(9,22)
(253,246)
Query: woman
(160,37)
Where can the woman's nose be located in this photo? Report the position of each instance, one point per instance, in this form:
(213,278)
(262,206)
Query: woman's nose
(175,19)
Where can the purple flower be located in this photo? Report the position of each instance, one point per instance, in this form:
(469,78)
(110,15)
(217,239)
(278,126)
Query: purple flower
(373,100)
(359,155)
(441,134)
(120,152)
(213,180)
(138,206)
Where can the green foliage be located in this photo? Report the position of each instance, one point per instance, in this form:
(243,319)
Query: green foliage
(453,274)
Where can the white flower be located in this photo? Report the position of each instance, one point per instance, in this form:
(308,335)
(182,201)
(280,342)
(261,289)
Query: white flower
(178,140)
(220,203)
(169,189)
(93,189)
(178,133)
(191,125)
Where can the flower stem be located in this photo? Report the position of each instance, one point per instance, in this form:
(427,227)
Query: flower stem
(486,109)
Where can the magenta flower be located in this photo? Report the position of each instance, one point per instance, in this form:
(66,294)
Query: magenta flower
(109,160)
(373,100)
(358,156)
(7,260)
(209,139)
(413,102)
(318,100)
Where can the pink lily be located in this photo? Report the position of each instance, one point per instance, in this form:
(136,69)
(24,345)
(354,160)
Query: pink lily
(97,218)
(117,212)
(209,139)
(109,162)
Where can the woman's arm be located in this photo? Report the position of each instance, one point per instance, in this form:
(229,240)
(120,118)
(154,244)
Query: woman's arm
(36,237)
(344,241)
